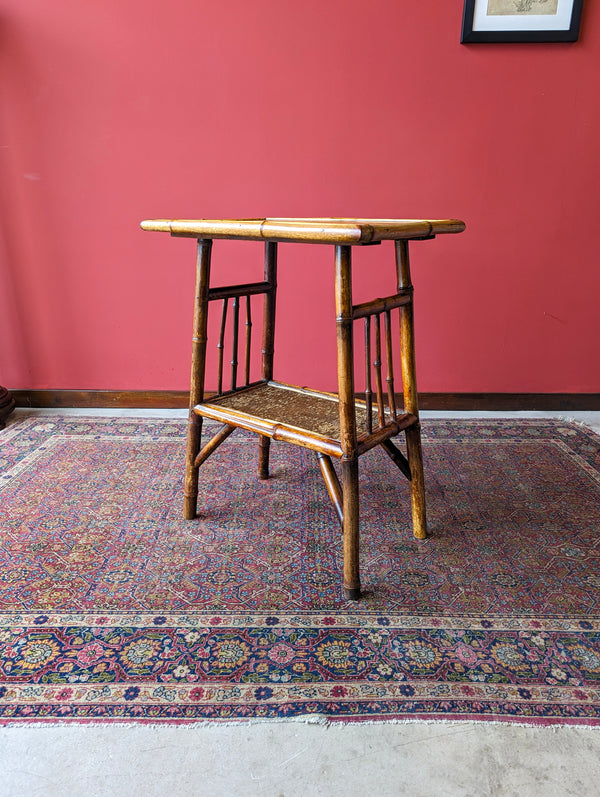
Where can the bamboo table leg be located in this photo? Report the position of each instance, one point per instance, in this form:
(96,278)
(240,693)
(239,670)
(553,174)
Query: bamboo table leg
(268,345)
(197,377)
(411,404)
(264,447)
(351,529)
(345,366)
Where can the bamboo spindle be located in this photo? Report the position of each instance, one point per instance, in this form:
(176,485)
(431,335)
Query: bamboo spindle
(220,346)
(368,391)
(234,342)
(411,402)
(248,342)
(378,380)
(268,344)
(197,376)
(389,376)
(345,368)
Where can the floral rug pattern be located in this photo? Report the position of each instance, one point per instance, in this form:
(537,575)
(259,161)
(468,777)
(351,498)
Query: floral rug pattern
(114,608)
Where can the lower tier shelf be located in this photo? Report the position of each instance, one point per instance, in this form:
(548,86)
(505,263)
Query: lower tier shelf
(298,415)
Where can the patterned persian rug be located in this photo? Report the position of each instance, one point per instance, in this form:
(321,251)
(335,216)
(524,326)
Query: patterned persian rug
(114,608)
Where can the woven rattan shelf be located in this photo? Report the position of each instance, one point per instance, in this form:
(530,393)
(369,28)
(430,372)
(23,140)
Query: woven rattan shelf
(299,415)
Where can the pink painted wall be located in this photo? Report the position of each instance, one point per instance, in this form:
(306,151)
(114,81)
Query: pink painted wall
(119,110)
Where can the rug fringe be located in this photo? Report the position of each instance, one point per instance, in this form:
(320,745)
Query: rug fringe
(576,422)
(319,721)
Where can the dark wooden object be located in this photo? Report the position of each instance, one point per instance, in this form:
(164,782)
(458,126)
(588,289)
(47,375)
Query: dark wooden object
(335,426)
(7,405)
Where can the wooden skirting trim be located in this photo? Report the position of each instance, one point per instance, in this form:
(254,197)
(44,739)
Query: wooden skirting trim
(178,399)
(511,402)
(118,399)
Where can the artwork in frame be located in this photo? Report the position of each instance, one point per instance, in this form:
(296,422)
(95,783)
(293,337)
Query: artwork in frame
(521,21)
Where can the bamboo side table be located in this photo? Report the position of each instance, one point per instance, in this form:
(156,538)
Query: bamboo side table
(335,426)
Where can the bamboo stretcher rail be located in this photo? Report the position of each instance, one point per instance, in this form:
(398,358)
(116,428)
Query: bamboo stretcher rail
(230,291)
(213,444)
(368,441)
(381,305)
(238,391)
(334,488)
(272,429)
(397,458)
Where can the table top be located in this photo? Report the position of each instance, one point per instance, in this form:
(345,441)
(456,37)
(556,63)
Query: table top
(341,231)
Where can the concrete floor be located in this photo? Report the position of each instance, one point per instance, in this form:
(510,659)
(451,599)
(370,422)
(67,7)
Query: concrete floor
(293,758)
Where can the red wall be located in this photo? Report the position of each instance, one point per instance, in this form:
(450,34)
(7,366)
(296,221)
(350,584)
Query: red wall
(120,110)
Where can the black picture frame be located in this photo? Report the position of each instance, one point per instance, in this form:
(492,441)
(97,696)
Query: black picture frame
(513,33)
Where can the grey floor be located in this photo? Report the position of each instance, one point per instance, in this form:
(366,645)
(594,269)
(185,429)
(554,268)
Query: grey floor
(293,758)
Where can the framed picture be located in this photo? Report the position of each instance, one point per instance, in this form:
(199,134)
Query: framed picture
(521,21)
